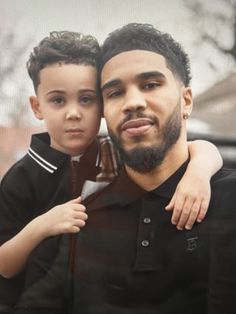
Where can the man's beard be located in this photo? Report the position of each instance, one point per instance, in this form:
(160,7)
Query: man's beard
(145,159)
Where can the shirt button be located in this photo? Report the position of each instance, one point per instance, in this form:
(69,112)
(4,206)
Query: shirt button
(145,243)
(147,220)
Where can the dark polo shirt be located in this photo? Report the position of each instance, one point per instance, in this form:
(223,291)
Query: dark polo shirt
(130,258)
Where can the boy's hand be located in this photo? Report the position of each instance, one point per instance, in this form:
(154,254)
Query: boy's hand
(190,201)
(69,217)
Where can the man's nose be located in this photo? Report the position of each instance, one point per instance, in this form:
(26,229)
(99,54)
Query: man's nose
(134,100)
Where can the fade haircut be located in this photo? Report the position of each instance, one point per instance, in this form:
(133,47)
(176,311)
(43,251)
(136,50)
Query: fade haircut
(136,36)
(62,46)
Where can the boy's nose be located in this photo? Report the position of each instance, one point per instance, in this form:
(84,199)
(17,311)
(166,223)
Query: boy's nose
(74,113)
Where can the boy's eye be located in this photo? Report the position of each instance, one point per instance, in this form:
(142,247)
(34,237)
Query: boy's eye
(87,99)
(58,101)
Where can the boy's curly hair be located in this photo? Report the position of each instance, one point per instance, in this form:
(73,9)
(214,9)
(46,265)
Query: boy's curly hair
(62,46)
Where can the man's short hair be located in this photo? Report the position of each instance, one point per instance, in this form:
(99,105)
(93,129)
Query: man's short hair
(62,46)
(135,36)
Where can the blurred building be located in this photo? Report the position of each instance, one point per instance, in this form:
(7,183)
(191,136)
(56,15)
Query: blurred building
(214,118)
(14,143)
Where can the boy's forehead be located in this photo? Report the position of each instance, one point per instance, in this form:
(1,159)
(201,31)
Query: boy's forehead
(68,76)
(73,67)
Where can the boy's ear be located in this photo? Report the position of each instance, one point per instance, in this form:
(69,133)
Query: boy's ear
(35,106)
(187,101)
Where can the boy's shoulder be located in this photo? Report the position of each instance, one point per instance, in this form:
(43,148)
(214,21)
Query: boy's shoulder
(40,158)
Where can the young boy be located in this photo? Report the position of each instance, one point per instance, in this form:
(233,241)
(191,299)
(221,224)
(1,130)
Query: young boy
(63,68)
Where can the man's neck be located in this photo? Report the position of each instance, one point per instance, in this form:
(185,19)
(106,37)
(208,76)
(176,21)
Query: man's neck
(151,180)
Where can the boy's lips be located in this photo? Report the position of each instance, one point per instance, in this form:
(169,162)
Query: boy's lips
(74,130)
(137,126)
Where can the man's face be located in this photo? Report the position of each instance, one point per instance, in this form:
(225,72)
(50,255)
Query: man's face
(142,106)
(67,102)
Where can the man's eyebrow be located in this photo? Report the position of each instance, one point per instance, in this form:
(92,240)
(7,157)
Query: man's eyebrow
(140,76)
(110,84)
(146,75)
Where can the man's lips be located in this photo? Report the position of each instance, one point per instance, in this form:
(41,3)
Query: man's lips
(137,126)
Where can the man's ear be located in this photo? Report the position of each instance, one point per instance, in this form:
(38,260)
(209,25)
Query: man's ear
(187,104)
(35,106)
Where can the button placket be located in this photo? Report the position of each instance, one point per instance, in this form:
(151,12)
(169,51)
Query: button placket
(147,220)
(144,256)
(145,243)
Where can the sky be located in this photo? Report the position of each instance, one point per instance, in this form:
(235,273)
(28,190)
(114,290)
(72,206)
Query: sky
(97,17)
(34,19)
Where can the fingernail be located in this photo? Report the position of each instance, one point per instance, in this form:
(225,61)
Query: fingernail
(199,220)
(179,228)
(188,227)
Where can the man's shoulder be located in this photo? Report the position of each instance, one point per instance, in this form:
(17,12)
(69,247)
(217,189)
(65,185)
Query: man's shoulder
(224,193)
(224,176)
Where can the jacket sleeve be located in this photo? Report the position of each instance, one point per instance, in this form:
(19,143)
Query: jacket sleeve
(16,201)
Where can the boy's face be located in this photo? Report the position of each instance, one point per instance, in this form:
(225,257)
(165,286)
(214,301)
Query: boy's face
(67,102)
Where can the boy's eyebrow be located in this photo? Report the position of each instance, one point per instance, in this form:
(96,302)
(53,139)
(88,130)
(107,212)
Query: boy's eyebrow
(64,92)
(140,76)
(55,91)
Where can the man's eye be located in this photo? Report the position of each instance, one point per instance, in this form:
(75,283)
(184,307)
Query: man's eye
(151,85)
(114,94)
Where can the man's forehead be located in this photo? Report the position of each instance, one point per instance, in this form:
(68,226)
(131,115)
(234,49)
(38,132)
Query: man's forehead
(135,53)
(133,61)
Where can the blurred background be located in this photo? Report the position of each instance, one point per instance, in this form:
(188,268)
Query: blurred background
(206,30)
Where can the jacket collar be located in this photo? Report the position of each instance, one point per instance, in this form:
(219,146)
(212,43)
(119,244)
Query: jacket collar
(51,159)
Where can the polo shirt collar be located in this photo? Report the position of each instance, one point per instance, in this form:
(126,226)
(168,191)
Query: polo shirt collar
(168,187)
(123,191)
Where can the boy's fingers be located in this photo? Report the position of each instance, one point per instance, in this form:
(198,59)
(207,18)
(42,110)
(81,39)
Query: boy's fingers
(170,206)
(75,200)
(179,203)
(203,211)
(81,215)
(74,229)
(194,212)
(184,214)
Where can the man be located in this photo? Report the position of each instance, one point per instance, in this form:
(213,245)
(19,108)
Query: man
(129,259)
